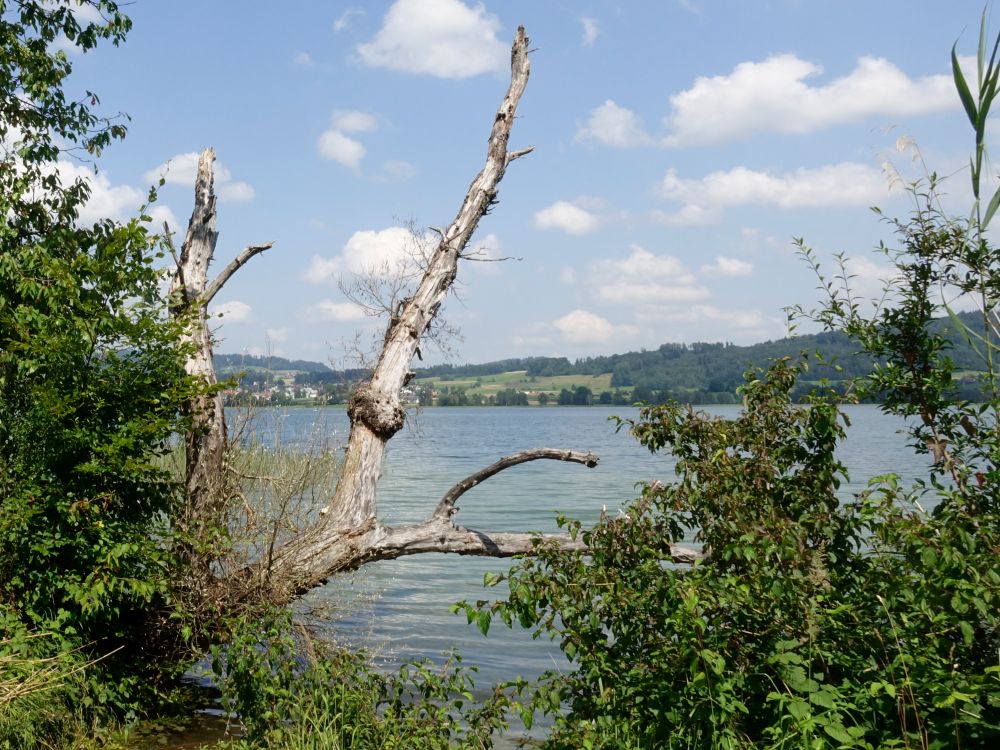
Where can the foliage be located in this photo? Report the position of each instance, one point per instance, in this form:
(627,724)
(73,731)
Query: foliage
(811,622)
(814,620)
(287,696)
(90,374)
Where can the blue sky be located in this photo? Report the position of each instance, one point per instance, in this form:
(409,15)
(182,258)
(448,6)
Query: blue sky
(680,145)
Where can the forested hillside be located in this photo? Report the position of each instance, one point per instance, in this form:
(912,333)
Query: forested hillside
(700,372)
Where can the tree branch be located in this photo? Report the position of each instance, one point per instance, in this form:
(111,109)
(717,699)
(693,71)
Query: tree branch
(234,265)
(446,507)
(436,535)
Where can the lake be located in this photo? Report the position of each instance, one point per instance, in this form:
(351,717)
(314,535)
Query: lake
(400,609)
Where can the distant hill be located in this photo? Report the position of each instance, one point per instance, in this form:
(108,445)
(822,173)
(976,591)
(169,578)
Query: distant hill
(680,370)
(229,364)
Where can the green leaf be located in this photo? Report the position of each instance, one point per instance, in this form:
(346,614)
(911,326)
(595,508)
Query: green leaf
(963,88)
(837,731)
(968,634)
(991,209)
(483,621)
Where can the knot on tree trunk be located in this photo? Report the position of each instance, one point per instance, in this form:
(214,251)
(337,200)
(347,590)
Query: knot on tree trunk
(379,413)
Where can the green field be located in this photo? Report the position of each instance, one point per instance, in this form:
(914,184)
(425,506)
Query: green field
(490,385)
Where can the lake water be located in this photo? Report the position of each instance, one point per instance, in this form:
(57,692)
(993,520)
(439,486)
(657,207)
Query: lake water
(400,609)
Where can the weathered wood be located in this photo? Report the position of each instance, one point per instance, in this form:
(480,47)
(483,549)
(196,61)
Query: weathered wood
(348,534)
(205,443)
(446,507)
(375,411)
(206,489)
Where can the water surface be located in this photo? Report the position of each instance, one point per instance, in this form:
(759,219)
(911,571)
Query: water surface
(400,608)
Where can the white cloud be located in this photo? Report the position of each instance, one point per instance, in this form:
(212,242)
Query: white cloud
(385,251)
(340,148)
(844,184)
(774,96)
(323,269)
(161,213)
(614,126)
(373,252)
(568,217)
(303,59)
(397,171)
(232,312)
(724,266)
(737,319)
(344,19)
(532,336)
(106,201)
(582,327)
(590,31)
(485,253)
(643,278)
(236,192)
(277,334)
(182,169)
(442,38)
(337,312)
(567,276)
(690,215)
(336,145)
(866,279)
(353,121)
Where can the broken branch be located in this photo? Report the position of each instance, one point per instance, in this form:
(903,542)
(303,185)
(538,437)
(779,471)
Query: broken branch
(446,507)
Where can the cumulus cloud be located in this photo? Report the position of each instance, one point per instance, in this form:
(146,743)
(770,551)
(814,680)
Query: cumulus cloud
(744,320)
(304,59)
(233,311)
(643,277)
(161,214)
(775,95)
(343,149)
(334,312)
(703,200)
(106,201)
(724,266)
(582,327)
(442,38)
(336,145)
(323,269)
(568,217)
(614,126)
(353,121)
(182,169)
(236,192)
(590,31)
(372,252)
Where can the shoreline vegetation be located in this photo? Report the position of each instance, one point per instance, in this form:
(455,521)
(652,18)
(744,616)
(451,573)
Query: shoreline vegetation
(800,619)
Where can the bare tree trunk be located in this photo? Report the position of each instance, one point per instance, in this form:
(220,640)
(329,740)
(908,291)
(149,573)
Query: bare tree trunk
(206,482)
(348,533)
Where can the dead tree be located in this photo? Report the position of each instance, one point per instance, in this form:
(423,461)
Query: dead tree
(206,481)
(347,533)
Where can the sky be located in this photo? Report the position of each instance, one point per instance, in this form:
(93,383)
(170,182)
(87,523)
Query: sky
(679,148)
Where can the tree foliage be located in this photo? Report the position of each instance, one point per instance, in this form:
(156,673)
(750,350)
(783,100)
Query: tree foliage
(815,620)
(90,372)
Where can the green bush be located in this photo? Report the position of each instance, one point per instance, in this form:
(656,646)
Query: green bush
(289,694)
(91,377)
(812,621)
